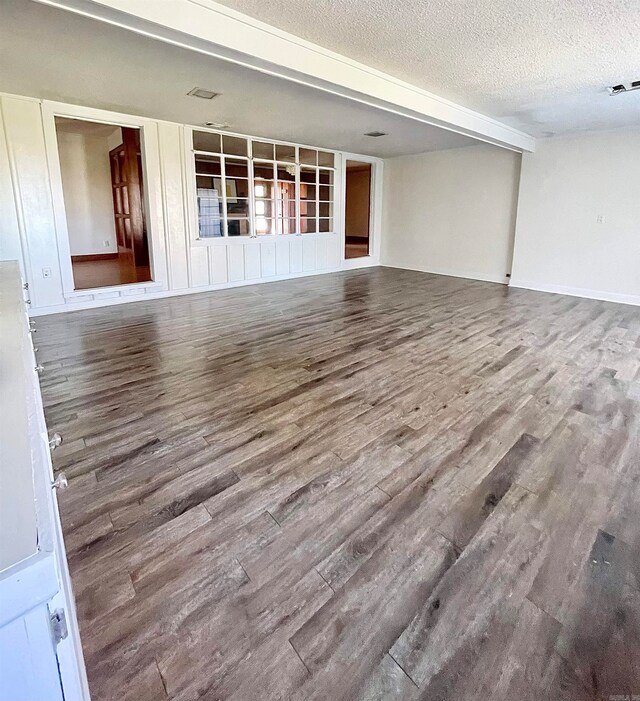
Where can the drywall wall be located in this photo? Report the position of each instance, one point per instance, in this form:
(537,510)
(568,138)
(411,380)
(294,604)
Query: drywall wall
(86,184)
(452,212)
(578,226)
(358,185)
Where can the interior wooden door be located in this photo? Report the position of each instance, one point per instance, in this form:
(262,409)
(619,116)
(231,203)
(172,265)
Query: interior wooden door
(127,187)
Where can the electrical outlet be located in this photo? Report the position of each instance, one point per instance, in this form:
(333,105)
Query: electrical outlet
(600,219)
(46,272)
(106,244)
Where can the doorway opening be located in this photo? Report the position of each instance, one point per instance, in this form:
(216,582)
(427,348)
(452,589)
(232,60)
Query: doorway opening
(358,210)
(103,189)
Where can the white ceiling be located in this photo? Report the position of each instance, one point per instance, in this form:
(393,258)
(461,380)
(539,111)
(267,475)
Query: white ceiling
(53,54)
(541,66)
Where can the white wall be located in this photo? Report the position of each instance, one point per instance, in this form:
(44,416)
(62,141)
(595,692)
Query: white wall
(86,183)
(566,186)
(33,227)
(452,212)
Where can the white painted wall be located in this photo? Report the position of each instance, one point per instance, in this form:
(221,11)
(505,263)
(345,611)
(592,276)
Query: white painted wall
(451,212)
(34,223)
(566,186)
(86,183)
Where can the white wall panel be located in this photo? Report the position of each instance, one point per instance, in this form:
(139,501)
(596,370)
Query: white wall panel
(251,261)
(10,248)
(308,253)
(218,265)
(199,267)
(282,257)
(28,162)
(295,251)
(268,259)
(235,255)
(321,253)
(333,252)
(175,217)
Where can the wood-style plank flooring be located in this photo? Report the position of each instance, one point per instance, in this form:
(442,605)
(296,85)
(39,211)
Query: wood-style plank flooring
(377,484)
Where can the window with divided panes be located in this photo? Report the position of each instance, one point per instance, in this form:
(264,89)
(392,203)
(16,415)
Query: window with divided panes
(247,187)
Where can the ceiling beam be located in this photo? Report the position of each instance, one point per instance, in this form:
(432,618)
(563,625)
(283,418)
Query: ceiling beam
(215,30)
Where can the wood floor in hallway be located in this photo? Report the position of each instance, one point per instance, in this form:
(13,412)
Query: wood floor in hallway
(377,484)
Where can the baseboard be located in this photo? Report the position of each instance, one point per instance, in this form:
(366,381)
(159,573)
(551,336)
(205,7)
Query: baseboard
(93,256)
(482,277)
(132,296)
(577,292)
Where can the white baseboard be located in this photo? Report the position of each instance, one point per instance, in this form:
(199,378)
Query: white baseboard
(482,277)
(578,292)
(105,301)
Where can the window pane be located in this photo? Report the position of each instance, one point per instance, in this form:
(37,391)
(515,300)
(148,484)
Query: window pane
(236,169)
(209,213)
(326,177)
(265,208)
(237,207)
(265,226)
(325,209)
(308,175)
(287,208)
(263,171)
(286,173)
(206,141)
(238,227)
(209,165)
(307,226)
(307,192)
(308,156)
(325,192)
(286,199)
(286,226)
(234,145)
(260,149)
(325,225)
(264,189)
(308,209)
(325,159)
(285,153)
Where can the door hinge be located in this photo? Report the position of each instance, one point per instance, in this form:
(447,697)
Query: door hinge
(58,625)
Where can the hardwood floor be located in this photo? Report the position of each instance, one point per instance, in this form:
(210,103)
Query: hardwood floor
(378,484)
(106,273)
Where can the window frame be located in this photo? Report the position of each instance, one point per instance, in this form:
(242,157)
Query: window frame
(190,154)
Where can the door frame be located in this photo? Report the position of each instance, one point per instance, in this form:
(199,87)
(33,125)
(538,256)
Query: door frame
(375,211)
(152,194)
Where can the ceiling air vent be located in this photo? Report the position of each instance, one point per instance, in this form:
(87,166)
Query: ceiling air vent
(203,94)
(376,134)
(618,89)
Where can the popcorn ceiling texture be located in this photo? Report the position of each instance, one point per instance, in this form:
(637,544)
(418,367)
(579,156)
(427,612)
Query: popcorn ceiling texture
(539,65)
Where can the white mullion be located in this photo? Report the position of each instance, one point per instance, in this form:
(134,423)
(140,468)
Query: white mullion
(223,180)
(298,199)
(317,196)
(253,231)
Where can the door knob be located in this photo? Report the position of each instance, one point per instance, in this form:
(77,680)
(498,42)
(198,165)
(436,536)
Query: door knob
(55,441)
(60,482)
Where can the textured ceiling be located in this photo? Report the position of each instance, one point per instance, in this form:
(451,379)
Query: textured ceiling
(539,65)
(56,55)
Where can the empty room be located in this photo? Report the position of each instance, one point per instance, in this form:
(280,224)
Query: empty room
(320,360)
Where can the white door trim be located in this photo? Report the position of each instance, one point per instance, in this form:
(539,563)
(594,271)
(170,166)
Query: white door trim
(152,194)
(375,212)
